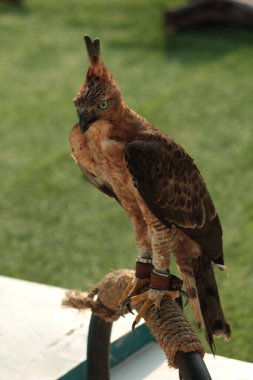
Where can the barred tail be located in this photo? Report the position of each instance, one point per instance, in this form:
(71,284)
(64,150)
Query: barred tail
(209,301)
(191,290)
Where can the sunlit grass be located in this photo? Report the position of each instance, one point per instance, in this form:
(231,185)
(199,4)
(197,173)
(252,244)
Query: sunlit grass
(196,86)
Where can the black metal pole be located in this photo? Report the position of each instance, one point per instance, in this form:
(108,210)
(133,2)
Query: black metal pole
(98,349)
(191,366)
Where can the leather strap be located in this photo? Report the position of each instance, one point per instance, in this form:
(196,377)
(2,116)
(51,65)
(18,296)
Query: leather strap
(143,270)
(159,282)
(165,282)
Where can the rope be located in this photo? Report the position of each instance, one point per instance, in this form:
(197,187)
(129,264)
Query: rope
(170,327)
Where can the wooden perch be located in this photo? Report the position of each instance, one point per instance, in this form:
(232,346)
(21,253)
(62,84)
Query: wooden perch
(205,13)
(170,328)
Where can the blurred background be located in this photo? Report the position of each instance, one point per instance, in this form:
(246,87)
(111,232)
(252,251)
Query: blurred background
(195,85)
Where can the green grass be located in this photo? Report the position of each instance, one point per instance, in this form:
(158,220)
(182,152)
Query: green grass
(196,86)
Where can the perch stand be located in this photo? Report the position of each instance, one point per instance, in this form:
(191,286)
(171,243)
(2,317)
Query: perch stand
(170,328)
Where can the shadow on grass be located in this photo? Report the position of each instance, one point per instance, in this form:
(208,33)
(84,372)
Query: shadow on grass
(207,44)
(14,9)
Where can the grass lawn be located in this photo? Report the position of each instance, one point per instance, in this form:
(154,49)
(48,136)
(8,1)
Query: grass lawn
(196,86)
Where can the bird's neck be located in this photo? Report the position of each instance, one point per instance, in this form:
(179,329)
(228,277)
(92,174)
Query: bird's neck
(130,125)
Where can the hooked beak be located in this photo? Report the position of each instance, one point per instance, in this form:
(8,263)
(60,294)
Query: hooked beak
(85,119)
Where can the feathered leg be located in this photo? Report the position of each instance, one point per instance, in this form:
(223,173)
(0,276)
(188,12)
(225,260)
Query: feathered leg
(144,260)
(161,282)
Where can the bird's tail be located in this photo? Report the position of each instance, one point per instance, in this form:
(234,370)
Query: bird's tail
(209,301)
(191,290)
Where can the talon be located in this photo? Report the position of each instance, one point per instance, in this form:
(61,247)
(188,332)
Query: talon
(145,306)
(122,311)
(126,293)
(133,326)
(126,304)
(184,294)
(131,290)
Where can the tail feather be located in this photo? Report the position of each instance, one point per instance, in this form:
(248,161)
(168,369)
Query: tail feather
(221,267)
(191,289)
(209,300)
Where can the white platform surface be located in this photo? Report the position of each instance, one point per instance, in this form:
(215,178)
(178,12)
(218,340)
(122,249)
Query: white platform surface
(150,364)
(39,340)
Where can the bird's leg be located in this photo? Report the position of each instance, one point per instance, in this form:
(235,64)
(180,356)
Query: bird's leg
(161,282)
(143,271)
(144,265)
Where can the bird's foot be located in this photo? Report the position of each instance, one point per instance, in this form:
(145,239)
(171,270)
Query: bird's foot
(142,278)
(150,298)
(161,285)
(131,290)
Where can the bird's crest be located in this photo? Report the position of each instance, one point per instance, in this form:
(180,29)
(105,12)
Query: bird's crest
(97,67)
(93,49)
(98,79)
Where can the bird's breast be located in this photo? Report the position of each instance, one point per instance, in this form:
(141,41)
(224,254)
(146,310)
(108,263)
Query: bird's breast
(115,169)
(103,158)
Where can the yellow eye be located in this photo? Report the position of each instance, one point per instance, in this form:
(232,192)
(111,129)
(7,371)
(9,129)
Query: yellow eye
(104,104)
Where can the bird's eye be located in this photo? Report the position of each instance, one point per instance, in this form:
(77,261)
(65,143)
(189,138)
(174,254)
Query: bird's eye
(104,104)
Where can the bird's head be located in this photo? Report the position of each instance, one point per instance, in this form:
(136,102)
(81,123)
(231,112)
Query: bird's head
(99,97)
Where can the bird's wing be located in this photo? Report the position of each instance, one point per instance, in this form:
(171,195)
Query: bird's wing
(173,189)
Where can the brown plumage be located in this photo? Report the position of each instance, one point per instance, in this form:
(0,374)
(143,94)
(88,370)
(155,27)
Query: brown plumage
(158,185)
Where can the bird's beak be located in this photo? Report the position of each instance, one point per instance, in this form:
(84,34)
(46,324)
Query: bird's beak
(85,119)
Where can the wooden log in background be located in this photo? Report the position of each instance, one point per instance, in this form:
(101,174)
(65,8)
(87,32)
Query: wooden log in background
(206,13)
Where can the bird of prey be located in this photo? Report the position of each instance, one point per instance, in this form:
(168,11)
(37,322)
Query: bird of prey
(161,189)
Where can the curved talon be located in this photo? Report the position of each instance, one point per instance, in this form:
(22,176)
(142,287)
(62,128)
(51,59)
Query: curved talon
(126,304)
(122,311)
(133,326)
(122,314)
(184,294)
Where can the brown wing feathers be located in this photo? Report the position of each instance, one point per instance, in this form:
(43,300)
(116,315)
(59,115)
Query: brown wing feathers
(172,187)
(169,181)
